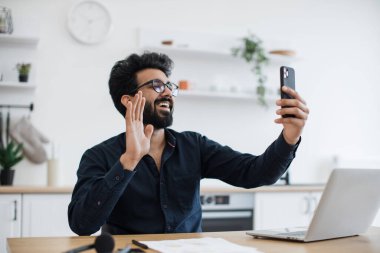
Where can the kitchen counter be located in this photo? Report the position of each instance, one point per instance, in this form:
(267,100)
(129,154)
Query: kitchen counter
(35,189)
(204,189)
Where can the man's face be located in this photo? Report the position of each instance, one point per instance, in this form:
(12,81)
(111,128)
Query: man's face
(159,107)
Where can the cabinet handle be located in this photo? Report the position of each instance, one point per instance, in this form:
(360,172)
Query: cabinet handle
(15,210)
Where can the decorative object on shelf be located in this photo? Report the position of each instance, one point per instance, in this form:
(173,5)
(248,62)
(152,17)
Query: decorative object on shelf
(53,167)
(283,52)
(10,153)
(167,42)
(89,22)
(183,84)
(23,71)
(6,24)
(253,53)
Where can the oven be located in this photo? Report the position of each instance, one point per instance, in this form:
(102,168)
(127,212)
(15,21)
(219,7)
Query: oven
(227,212)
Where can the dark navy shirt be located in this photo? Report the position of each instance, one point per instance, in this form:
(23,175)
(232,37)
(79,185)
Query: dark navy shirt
(148,200)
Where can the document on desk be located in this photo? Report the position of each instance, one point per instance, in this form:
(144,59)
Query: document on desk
(204,245)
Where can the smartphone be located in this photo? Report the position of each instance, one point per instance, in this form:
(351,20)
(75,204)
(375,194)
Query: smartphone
(287,77)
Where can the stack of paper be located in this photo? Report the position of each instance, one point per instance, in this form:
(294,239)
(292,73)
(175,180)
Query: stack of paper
(204,245)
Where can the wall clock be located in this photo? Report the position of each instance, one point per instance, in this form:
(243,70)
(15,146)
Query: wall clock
(89,22)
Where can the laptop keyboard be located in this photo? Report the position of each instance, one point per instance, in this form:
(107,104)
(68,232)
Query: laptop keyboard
(295,233)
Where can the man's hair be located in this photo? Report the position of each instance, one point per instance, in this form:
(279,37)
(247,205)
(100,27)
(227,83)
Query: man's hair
(123,77)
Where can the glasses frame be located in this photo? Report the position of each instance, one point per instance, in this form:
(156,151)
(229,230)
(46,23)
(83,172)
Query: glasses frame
(159,86)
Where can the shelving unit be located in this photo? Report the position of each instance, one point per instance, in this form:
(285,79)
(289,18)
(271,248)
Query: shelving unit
(17,48)
(205,48)
(222,95)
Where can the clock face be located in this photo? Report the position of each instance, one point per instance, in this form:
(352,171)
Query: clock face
(89,22)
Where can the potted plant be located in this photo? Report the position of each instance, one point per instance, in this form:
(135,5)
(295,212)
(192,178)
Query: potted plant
(10,155)
(23,71)
(253,53)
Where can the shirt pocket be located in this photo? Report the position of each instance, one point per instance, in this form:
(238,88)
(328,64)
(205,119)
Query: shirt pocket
(186,191)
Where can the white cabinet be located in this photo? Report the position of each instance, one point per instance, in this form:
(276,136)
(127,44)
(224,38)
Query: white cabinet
(10,218)
(27,215)
(284,209)
(45,215)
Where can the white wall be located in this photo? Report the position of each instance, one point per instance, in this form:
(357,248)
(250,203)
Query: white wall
(337,73)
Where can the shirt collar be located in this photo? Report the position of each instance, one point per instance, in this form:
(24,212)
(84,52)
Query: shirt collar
(170,139)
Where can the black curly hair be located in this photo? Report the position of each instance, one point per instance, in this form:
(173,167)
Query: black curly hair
(123,74)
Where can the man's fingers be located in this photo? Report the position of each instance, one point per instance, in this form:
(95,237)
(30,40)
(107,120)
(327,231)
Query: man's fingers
(297,112)
(136,105)
(293,103)
(142,106)
(128,113)
(148,131)
(293,93)
(293,121)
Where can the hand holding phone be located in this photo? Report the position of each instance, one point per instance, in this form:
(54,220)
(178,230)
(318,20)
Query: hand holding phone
(287,77)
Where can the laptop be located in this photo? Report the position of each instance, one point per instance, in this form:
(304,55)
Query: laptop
(348,206)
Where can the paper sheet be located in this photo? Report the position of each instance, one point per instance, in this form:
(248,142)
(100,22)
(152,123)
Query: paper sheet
(204,245)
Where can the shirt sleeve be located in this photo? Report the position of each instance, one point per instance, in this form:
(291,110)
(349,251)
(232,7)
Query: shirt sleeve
(96,192)
(246,170)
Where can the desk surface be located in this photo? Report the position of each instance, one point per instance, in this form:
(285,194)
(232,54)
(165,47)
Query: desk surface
(366,243)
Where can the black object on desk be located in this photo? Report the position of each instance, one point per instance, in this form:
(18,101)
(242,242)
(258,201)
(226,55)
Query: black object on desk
(141,245)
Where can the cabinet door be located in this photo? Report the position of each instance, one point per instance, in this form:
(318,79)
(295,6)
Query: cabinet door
(284,209)
(10,220)
(45,215)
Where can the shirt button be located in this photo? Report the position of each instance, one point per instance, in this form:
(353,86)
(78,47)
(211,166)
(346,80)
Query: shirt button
(99,203)
(169,227)
(165,206)
(117,178)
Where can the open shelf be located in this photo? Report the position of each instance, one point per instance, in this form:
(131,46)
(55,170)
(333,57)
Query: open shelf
(222,95)
(10,39)
(17,85)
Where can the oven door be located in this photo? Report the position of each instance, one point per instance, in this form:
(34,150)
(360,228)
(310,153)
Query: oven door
(227,220)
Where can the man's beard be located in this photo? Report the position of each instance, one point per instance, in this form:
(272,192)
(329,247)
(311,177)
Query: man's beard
(151,115)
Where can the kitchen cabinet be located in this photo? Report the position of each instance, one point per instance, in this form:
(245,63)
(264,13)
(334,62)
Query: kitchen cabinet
(284,209)
(10,218)
(27,214)
(45,215)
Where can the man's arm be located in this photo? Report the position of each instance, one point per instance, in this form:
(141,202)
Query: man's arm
(98,190)
(246,170)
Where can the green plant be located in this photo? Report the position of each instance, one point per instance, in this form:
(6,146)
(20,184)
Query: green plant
(253,53)
(23,68)
(10,154)
(10,151)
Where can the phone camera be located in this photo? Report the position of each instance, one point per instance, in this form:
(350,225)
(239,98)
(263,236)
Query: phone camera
(286,73)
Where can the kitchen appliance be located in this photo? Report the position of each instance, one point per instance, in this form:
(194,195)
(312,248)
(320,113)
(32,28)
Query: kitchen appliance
(227,211)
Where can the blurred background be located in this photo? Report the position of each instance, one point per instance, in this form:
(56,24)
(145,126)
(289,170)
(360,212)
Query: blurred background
(334,49)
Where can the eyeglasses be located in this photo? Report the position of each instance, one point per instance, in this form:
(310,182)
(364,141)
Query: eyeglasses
(159,86)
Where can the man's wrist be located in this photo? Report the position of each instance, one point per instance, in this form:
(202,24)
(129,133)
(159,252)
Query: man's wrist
(127,162)
(291,141)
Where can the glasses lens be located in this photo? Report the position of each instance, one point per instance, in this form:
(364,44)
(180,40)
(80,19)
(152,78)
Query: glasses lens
(174,88)
(158,86)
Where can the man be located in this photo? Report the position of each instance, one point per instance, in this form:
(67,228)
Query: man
(146,180)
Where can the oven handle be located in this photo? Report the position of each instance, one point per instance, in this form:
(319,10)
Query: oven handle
(226,214)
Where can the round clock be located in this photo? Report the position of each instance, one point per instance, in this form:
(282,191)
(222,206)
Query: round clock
(89,22)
